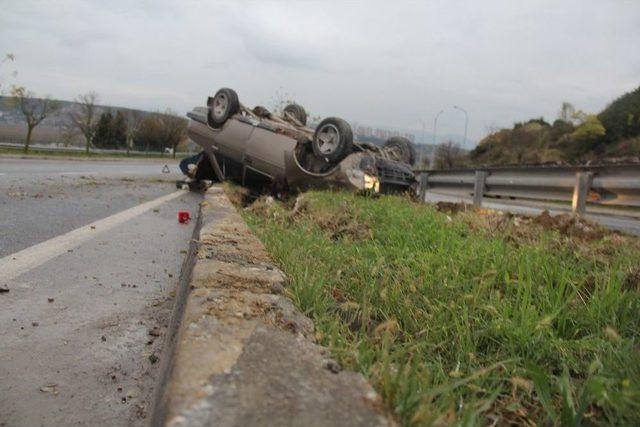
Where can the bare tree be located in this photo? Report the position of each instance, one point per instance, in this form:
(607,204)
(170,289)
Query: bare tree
(491,128)
(84,118)
(449,155)
(174,128)
(34,110)
(69,133)
(280,100)
(567,112)
(133,119)
(9,57)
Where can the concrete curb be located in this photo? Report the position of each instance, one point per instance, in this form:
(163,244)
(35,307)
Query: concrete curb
(158,409)
(243,354)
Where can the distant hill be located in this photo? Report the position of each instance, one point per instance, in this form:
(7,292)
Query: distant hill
(11,115)
(613,135)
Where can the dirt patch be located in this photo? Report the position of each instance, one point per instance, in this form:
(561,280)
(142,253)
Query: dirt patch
(265,207)
(521,229)
(453,208)
(571,226)
(343,223)
(240,197)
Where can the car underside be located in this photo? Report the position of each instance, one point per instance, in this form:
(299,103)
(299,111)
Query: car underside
(259,149)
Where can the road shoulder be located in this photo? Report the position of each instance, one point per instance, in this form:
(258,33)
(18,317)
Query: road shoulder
(244,355)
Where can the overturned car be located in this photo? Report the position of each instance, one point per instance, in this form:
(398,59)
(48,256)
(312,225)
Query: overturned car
(259,149)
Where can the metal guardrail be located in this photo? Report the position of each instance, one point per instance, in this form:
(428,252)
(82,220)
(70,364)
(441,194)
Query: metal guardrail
(616,185)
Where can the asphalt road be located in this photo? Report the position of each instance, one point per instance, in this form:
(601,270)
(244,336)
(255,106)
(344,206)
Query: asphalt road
(91,252)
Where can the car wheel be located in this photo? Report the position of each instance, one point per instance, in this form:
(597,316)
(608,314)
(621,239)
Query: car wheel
(401,149)
(222,106)
(332,140)
(297,111)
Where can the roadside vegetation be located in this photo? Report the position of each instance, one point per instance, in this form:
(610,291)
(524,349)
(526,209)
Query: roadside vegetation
(35,152)
(84,122)
(574,137)
(469,317)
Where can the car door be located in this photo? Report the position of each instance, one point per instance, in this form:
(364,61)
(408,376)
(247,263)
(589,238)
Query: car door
(231,140)
(265,151)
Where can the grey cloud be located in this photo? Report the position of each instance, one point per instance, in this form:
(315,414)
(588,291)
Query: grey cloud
(377,62)
(281,52)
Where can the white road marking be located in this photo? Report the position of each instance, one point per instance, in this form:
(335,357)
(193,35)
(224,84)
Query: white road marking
(12,266)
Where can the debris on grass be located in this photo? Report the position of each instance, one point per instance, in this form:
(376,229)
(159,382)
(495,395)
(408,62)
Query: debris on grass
(452,208)
(238,195)
(571,226)
(339,223)
(344,222)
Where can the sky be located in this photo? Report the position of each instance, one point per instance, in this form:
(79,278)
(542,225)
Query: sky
(390,64)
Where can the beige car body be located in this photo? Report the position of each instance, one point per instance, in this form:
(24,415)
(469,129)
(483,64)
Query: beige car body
(269,147)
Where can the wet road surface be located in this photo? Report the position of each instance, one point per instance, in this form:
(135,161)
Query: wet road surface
(91,253)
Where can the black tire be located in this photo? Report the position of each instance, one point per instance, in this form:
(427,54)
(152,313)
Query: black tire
(332,140)
(296,111)
(403,148)
(222,106)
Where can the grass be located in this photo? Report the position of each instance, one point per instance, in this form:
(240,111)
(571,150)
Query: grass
(472,318)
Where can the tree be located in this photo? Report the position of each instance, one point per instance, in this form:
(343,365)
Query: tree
(69,133)
(9,57)
(589,132)
(133,118)
(159,131)
(119,130)
(566,113)
(84,117)
(148,135)
(34,110)
(449,155)
(621,118)
(102,135)
(173,130)
(280,100)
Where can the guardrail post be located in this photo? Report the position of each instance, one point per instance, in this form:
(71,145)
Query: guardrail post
(478,188)
(581,191)
(424,185)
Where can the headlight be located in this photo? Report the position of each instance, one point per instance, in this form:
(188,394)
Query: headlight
(371,183)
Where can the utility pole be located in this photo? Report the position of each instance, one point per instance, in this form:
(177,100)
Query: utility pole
(432,162)
(466,124)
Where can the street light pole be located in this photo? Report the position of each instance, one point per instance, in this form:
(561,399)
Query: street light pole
(432,162)
(466,123)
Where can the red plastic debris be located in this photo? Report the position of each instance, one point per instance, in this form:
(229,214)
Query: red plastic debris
(183,216)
